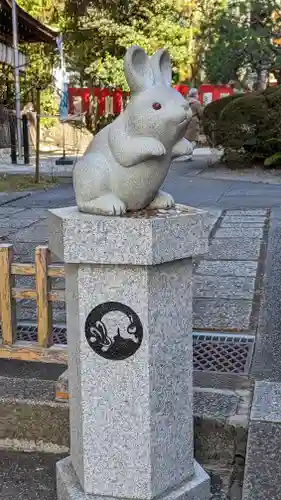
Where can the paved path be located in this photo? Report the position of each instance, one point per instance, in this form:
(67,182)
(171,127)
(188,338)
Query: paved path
(227,280)
(193,183)
(224,292)
(196,184)
(48,163)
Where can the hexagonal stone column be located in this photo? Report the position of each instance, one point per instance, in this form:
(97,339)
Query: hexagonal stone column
(129,321)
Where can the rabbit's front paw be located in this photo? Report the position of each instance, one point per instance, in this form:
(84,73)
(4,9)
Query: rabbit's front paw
(107,204)
(182,148)
(154,147)
(162,200)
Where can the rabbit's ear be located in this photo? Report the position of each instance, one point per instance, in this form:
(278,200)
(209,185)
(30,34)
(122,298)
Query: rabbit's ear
(138,70)
(162,67)
(101,327)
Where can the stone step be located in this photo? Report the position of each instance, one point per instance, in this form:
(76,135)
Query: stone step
(33,415)
(30,417)
(34,421)
(35,425)
(262,472)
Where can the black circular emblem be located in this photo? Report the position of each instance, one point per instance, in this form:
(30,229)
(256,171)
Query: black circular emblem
(113,330)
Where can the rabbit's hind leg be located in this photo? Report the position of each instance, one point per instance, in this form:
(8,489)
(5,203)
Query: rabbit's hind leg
(107,204)
(161,200)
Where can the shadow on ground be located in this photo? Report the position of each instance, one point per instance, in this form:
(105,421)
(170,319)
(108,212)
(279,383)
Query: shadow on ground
(31,476)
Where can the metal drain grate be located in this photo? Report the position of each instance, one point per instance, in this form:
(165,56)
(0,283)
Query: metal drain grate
(212,352)
(28,333)
(222,353)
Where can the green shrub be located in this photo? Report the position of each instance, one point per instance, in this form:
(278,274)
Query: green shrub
(248,127)
(211,116)
(240,121)
(269,91)
(273,96)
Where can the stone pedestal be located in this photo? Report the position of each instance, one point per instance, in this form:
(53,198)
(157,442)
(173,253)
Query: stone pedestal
(129,321)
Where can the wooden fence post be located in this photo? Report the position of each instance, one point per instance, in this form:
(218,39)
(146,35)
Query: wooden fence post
(7,303)
(43,287)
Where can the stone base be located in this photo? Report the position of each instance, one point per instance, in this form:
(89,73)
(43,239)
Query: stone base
(69,488)
(262,478)
(152,237)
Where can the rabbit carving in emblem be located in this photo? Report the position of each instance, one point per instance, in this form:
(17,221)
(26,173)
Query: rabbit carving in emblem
(113,324)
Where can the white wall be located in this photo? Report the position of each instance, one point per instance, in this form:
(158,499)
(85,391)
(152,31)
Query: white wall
(7,56)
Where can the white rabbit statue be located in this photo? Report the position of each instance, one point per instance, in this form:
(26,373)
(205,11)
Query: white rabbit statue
(126,163)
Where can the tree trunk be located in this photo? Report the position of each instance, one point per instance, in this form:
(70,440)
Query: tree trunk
(262,78)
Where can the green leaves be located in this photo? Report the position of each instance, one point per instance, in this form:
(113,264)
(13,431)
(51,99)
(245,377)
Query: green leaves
(242,41)
(42,57)
(273,160)
(99,39)
(107,71)
(248,125)
(98,32)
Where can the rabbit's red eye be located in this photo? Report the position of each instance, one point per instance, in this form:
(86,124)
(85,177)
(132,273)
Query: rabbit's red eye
(156,105)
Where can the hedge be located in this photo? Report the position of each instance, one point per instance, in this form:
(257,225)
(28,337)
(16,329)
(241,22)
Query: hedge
(247,127)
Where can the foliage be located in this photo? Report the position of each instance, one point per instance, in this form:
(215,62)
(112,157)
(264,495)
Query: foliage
(41,62)
(42,57)
(95,123)
(107,70)
(272,160)
(248,127)
(97,33)
(48,12)
(204,17)
(211,114)
(240,121)
(96,42)
(49,106)
(245,41)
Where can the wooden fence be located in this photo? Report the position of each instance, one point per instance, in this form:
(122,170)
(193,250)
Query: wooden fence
(44,271)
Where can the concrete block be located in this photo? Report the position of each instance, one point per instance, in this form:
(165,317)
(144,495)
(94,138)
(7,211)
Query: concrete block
(233,268)
(239,232)
(235,248)
(222,314)
(223,287)
(262,472)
